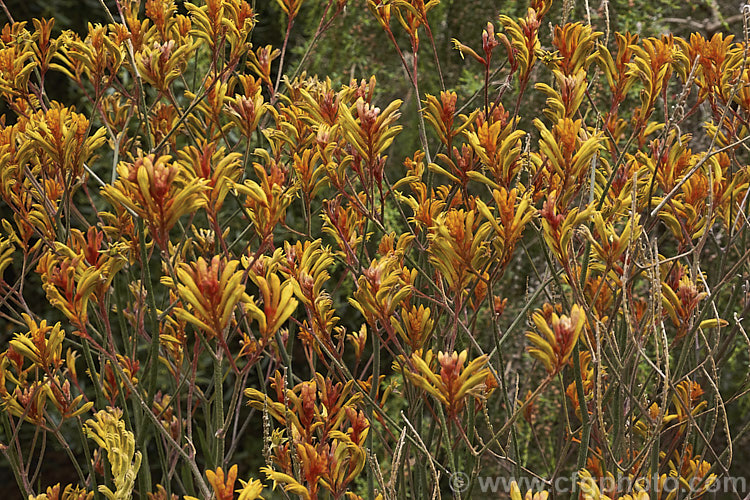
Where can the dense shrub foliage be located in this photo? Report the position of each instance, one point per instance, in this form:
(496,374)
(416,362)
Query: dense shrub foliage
(222,277)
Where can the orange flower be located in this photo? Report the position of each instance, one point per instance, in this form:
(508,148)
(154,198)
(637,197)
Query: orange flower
(223,486)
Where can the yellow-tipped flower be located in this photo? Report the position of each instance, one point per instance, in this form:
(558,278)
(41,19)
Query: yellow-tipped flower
(278,302)
(558,335)
(459,246)
(211,290)
(42,344)
(69,282)
(153,188)
(218,168)
(454,382)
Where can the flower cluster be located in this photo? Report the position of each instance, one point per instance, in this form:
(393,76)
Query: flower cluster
(236,277)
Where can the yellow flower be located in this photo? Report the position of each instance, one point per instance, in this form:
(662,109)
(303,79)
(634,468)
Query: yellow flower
(558,337)
(219,169)
(154,190)
(454,381)
(108,431)
(250,490)
(212,290)
(6,254)
(69,282)
(515,493)
(69,493)
(278,302)
(42,344)
(459,246)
